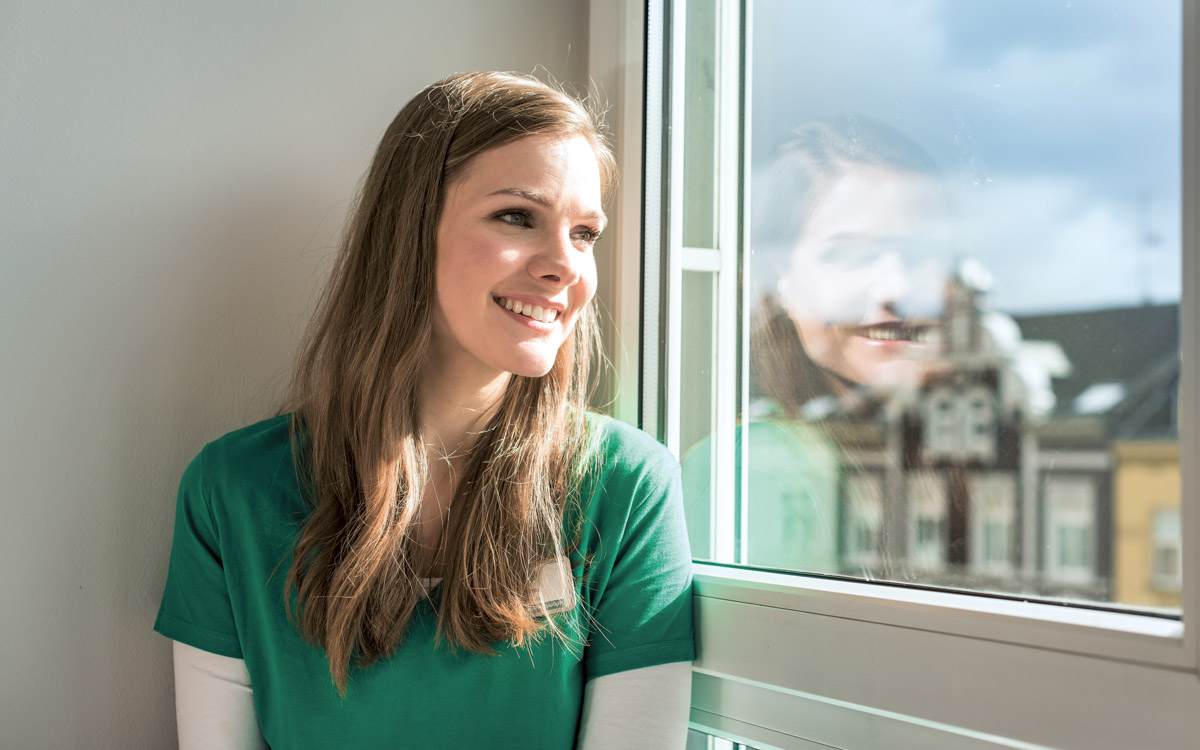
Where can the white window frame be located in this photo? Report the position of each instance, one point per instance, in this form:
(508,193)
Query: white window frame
(795,661)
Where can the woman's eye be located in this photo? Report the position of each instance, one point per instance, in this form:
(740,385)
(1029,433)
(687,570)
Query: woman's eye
(515,217)
(587,235)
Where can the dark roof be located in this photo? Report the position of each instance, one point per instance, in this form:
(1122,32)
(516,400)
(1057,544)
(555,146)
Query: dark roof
(1137,347)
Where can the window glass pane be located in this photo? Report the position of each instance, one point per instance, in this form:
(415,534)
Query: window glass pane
(964,272)
(700,167)
(696,406)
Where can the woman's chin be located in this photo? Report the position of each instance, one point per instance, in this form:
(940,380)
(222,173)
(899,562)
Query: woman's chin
(896,373)
(531,364)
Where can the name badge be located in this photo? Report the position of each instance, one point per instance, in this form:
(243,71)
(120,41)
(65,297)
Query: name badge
(556,586)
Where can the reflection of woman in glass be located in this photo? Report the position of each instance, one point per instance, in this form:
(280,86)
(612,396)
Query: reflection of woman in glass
(848,261)
(850,230)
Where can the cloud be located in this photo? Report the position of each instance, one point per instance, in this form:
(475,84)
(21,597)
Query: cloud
(1051,245)
(1051,118)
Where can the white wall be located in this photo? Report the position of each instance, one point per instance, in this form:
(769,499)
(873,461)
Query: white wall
(172,179)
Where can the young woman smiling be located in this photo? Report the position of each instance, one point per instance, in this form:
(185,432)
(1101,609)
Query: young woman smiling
(437,545)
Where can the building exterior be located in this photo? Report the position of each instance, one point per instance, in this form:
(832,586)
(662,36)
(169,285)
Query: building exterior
(1116,416)
(1038,457)
(1148,561)
(967,482)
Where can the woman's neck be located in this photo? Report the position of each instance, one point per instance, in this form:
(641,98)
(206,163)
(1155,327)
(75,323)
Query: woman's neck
(452,413)
(453,410)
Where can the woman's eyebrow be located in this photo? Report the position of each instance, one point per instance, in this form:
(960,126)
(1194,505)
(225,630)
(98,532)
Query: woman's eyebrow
(528,195)
(541,200)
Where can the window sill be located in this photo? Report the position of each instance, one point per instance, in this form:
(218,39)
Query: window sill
(853,664)
(1150,639)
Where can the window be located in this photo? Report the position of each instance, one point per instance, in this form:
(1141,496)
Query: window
(995,500)
(889,547)
(1071,501)
(856,298)
(864,494)
(927,505)
(1168,562)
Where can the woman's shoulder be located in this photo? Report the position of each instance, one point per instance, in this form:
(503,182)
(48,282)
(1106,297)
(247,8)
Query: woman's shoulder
(625,452)
(625,444)
(254,440)
(246,456)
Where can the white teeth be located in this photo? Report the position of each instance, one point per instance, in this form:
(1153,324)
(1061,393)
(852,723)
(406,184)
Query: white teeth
(918,334)
(535,312)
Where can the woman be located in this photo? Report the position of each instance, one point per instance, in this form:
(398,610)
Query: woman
(438,546)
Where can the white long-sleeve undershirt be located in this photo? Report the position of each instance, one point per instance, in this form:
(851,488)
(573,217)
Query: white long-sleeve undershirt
(647,707)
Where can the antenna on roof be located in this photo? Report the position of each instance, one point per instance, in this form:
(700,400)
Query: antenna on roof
(1148,239)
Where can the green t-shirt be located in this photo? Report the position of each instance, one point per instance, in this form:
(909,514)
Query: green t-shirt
(238,513)
(792,471)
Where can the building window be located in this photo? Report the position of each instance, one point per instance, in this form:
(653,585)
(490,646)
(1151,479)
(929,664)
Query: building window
(1071,528)
(927,506)
(864,496)
(1074,549)
(994,505)
(1167,563)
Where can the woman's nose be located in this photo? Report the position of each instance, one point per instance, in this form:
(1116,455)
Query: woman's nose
(560,260)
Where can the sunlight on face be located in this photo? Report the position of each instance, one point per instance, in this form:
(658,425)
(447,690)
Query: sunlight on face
(514,257)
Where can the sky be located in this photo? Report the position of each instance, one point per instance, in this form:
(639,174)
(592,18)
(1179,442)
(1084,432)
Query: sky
(1056,125)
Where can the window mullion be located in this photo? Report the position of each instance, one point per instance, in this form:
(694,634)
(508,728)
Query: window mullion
(744,300)
(652,396)
(674,256)
(1189,407)
(729,548)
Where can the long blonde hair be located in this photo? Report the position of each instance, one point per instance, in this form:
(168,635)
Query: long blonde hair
(352,587)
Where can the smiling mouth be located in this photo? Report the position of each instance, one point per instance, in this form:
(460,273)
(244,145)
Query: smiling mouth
(534,312)
(917,333)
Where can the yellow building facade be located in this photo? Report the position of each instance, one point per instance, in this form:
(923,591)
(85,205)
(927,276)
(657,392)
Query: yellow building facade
(1146,501)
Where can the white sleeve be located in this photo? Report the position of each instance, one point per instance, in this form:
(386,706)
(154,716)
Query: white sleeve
(645,707)
(214,705)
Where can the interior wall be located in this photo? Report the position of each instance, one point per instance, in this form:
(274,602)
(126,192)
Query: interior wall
(173,177)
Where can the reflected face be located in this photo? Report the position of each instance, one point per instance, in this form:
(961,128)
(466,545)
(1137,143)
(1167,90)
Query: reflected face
(866,278)
(514,256)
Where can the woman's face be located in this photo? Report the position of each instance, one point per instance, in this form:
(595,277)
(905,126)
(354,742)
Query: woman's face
(516,232)
(866,277)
